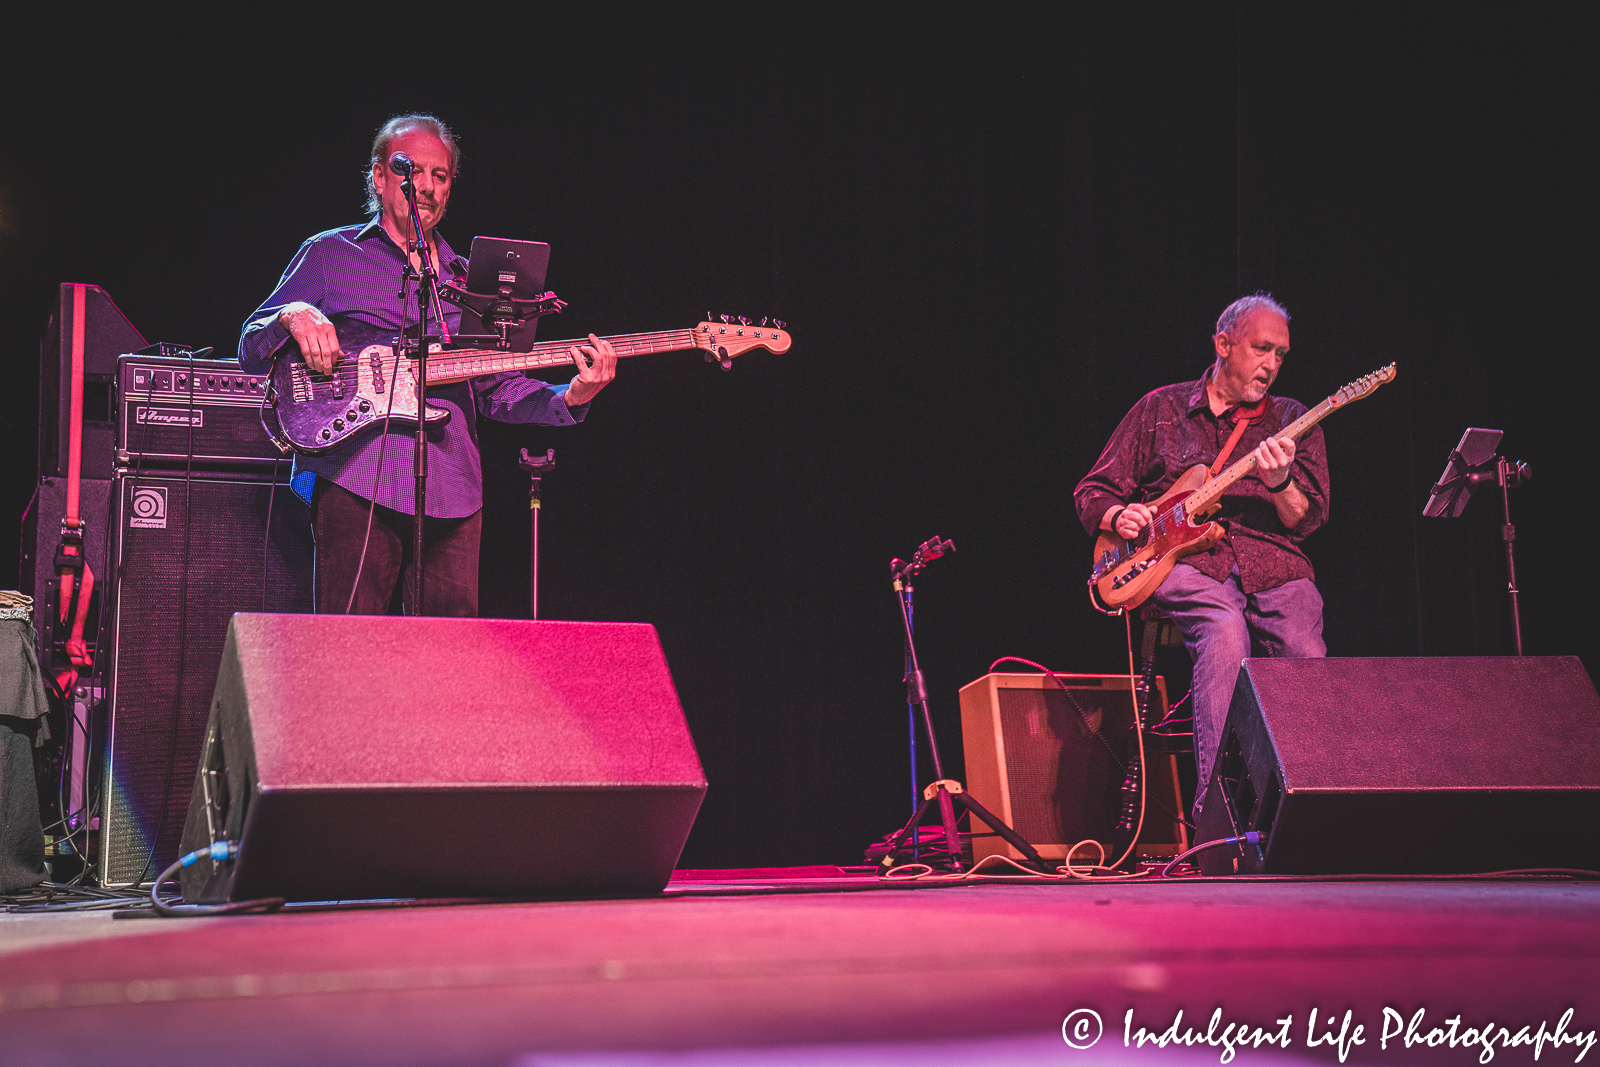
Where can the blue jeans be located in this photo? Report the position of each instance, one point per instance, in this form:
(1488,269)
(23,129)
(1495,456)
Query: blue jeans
(1218,620)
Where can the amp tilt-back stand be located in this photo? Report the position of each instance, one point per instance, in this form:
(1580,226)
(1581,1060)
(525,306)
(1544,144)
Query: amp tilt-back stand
(946,792)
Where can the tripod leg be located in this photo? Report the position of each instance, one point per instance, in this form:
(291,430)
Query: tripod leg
(905,832)
(947,814)
(999,826)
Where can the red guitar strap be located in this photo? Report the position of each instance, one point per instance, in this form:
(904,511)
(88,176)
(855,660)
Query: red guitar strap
(1242,417)
(77,580)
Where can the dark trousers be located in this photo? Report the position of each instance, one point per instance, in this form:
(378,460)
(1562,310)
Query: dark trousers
(449,553)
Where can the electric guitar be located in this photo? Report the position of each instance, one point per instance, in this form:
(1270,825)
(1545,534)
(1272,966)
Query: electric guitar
(1126,573)
(317,413)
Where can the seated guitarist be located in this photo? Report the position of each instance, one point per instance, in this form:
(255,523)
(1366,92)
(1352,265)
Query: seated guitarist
(338,294)
(1255,583)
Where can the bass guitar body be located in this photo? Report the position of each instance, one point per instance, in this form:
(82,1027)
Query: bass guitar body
(1127,573)
(320,412)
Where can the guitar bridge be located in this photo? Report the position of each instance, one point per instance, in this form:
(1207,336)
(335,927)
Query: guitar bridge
(299,383)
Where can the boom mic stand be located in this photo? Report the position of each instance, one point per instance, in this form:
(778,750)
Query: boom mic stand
(946,792)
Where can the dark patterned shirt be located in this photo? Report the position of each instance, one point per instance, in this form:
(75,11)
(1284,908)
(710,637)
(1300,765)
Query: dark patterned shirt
(352,275)
(1173,429)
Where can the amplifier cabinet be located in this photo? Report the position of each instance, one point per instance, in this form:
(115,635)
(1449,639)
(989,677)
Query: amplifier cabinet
(174,410)
(1407,765)
(1033,760)
(187,553)
(82,316)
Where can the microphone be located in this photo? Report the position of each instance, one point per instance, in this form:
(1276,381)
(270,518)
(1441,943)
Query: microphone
(401,164)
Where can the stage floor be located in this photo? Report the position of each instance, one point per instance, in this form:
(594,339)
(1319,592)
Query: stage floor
(727,972)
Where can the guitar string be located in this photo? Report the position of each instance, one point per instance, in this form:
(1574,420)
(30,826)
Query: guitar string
(1218,485)
(349,373)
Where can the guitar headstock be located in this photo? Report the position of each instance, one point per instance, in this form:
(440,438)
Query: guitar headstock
(731,337)
(1363,385)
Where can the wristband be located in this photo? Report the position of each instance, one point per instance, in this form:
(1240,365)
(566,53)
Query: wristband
(1115,515)
(1286,483)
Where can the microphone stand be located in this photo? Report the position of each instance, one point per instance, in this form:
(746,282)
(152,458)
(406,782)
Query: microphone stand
(427,297)
(946,792)
(536,467)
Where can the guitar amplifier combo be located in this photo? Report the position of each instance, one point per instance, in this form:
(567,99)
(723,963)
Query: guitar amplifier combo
(354,757)
(178,412)
(1407,766)
(188,553)
(1055,773)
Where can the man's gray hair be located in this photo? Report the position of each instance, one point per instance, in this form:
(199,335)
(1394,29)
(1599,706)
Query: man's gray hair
(394,128)
(1236,312)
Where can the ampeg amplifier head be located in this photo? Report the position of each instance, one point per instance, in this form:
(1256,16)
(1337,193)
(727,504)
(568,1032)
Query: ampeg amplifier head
(174,411)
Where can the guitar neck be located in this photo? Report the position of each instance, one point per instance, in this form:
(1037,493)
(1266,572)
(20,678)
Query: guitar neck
(1212,491)
(458,366)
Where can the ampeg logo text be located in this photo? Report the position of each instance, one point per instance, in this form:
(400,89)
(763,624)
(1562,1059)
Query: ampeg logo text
(169,416)
(149,511)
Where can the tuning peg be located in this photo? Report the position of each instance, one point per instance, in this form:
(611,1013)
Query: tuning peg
(763,320)
(743,321)
(727,364)
(709,357)
(778,323)
(709,316)
(727,319)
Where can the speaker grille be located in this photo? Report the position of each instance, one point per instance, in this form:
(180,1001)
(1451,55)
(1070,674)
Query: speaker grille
(178,584)
(1064,785)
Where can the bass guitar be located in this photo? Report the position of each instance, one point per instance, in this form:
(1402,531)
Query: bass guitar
(317,413)
(1126,573)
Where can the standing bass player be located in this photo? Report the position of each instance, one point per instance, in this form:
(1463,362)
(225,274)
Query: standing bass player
(1255,582)
(339,293)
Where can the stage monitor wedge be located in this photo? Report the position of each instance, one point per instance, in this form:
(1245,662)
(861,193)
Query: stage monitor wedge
(360,757)
(1448,765)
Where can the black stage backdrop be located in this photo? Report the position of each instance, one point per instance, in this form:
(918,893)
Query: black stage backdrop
(989,237)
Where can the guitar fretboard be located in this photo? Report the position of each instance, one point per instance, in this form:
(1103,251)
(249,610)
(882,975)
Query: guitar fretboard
(1202,499)
(458,366)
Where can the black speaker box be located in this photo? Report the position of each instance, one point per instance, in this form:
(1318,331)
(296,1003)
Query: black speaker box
(355,757)
(188,553)
(1399,766)
(106,334)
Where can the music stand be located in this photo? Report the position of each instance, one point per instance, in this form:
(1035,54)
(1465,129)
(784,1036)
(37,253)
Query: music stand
(1454,487)
(1472,463)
